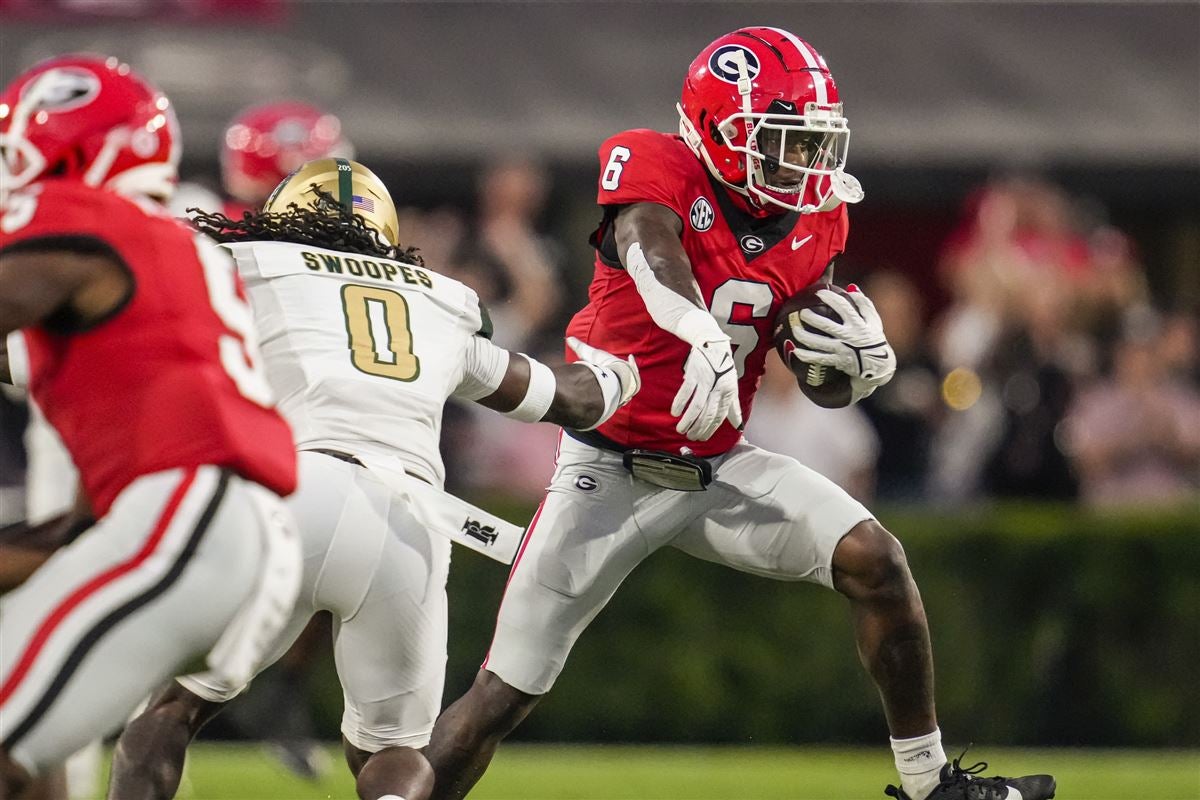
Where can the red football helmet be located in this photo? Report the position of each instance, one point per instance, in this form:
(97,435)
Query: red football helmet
(762,112)
(266,143)
(90,118)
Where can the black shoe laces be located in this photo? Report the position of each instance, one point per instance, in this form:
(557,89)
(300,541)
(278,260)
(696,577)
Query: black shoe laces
(993,788)
(961,777)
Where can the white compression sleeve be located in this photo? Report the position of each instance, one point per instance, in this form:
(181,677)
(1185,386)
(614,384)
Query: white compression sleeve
(610,388)
(18,359)
(483,369)
(669,310)
(539,395)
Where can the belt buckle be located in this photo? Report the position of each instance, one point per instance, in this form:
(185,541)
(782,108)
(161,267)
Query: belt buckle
(668,470)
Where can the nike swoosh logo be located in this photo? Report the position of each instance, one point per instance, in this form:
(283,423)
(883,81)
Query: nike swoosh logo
(798,243)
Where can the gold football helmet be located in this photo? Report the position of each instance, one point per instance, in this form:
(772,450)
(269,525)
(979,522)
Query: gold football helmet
(354,186)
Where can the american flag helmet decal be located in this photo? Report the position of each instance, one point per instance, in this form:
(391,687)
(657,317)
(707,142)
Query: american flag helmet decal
(352,187)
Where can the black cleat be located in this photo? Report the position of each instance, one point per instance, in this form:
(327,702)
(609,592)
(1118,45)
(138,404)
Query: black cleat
(304,758)
(961,784)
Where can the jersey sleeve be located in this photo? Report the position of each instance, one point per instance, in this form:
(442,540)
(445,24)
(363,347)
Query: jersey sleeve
(68,216)
(641,166)
(61,216)
(840,230)
(475,314)
(483,363)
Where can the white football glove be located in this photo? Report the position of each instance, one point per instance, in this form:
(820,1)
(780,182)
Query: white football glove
(857,346)
(709,391)
(625,370)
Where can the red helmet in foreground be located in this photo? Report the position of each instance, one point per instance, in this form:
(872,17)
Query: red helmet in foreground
(88,118)
(761,110)
(266,143)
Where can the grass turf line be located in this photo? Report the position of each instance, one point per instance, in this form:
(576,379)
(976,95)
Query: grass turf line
(529,772)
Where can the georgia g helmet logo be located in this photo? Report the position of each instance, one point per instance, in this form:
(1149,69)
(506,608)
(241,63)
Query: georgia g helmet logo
(63,89)
(723,63)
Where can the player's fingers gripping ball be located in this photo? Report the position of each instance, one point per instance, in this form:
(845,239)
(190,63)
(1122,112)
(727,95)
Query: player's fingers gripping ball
(800,346)
(833,340)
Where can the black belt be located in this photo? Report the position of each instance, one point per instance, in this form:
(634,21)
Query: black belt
(597,440)
(338,454)
(350,459)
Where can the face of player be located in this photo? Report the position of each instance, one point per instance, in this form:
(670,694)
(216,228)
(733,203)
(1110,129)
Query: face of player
(788,153)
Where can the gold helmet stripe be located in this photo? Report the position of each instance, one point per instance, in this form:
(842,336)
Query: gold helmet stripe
(345,174)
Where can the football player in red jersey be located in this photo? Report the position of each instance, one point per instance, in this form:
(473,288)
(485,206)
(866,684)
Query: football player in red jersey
(704,235)
(139,349)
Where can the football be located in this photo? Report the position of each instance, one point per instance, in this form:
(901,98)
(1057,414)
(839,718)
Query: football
(825,386)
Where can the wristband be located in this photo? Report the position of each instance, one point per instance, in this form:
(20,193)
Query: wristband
(538,396)
(610,389)
(18,360)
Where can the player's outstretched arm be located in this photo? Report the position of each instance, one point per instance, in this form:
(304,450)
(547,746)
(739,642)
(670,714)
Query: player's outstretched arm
(580,395)
(647,237)
(657,230)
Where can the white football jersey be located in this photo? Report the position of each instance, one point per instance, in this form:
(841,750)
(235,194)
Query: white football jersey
(361,352)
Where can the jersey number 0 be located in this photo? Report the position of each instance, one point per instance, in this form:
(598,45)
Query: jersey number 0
(380,335)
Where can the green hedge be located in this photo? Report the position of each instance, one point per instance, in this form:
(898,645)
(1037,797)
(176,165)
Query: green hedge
(1050,627)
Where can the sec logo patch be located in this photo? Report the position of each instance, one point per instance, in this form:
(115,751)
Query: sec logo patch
(701,215)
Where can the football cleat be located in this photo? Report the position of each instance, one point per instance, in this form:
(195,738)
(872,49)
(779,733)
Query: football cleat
(304,758)
(958,783)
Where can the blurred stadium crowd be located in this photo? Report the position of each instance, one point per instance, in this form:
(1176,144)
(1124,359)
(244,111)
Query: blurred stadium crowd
(1047,339)
(1046,370)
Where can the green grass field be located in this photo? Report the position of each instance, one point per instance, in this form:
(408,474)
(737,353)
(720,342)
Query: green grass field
(524,772)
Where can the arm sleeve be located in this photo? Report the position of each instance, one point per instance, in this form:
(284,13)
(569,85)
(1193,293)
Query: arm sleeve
(484,366)
(18,359)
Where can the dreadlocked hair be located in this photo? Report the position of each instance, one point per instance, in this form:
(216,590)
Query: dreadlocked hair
(334,227)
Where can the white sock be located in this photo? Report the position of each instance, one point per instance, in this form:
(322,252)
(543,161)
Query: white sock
(919,761)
